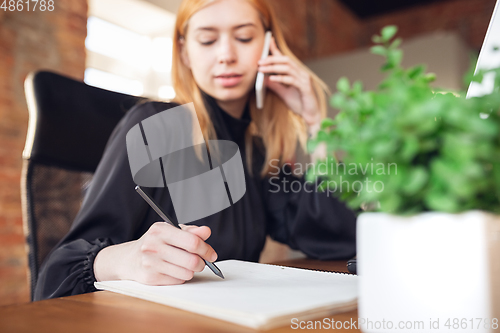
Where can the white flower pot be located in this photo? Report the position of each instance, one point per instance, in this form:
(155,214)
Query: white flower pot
(432,272)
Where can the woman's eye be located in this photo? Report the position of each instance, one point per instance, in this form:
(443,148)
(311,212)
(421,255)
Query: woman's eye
(208,43)
(245,40)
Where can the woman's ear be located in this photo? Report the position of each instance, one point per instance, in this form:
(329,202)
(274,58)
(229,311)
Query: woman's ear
(183,51)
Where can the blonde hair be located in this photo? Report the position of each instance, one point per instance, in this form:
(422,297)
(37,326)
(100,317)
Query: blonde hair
(280,128)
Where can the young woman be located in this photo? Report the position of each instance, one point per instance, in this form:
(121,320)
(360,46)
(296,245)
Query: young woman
(215,61)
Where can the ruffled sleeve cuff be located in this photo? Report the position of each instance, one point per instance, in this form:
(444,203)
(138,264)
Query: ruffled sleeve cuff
(88,264)
(69,270)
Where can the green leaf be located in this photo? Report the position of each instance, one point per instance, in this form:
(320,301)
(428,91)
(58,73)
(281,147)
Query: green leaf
(416,71)
(395,43)
(394,57)
(417,178)
(441,202)
(311,145)
(322,135)
(496,177)
(343,85)
(431,77)
(338,101)
(478,77)
(388,32)
(379,49)
(387,66)
(469,75)
(390,204)
(357,88)
(410,147)
(383,147)
(377,39)
(327,122)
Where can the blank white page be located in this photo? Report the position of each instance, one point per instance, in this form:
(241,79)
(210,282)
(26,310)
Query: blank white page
(255,295)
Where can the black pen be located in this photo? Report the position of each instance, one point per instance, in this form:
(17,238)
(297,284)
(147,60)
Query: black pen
(164,216)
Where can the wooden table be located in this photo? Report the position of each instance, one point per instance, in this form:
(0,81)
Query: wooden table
(105,311)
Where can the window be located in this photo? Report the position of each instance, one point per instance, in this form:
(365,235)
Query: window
(108,81)
(130,50)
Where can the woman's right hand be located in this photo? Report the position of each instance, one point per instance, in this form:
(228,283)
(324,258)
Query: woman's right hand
(163,255)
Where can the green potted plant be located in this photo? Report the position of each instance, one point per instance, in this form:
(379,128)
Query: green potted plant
(424,167)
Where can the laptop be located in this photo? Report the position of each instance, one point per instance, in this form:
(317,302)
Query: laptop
(488,57)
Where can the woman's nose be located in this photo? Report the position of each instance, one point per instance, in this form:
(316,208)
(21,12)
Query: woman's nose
(227,51)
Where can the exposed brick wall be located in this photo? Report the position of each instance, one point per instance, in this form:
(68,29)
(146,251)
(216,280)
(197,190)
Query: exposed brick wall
(28,41)
(320,28)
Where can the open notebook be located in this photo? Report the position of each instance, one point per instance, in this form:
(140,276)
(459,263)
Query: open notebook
(255,295)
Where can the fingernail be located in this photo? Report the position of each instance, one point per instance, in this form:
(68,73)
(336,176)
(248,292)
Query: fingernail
(213,257)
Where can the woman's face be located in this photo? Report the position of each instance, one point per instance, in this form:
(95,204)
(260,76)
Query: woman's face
(223,44)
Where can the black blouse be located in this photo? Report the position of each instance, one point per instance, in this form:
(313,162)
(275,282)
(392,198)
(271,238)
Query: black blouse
(112,212)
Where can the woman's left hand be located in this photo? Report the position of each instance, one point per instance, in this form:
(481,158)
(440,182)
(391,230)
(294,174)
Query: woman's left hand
(292,83)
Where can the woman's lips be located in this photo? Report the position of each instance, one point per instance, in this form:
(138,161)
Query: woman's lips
(228,81)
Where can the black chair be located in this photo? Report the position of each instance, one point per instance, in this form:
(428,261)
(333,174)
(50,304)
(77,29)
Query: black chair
(69,125)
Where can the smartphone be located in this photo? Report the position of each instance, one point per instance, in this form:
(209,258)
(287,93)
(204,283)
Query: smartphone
(260,89)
